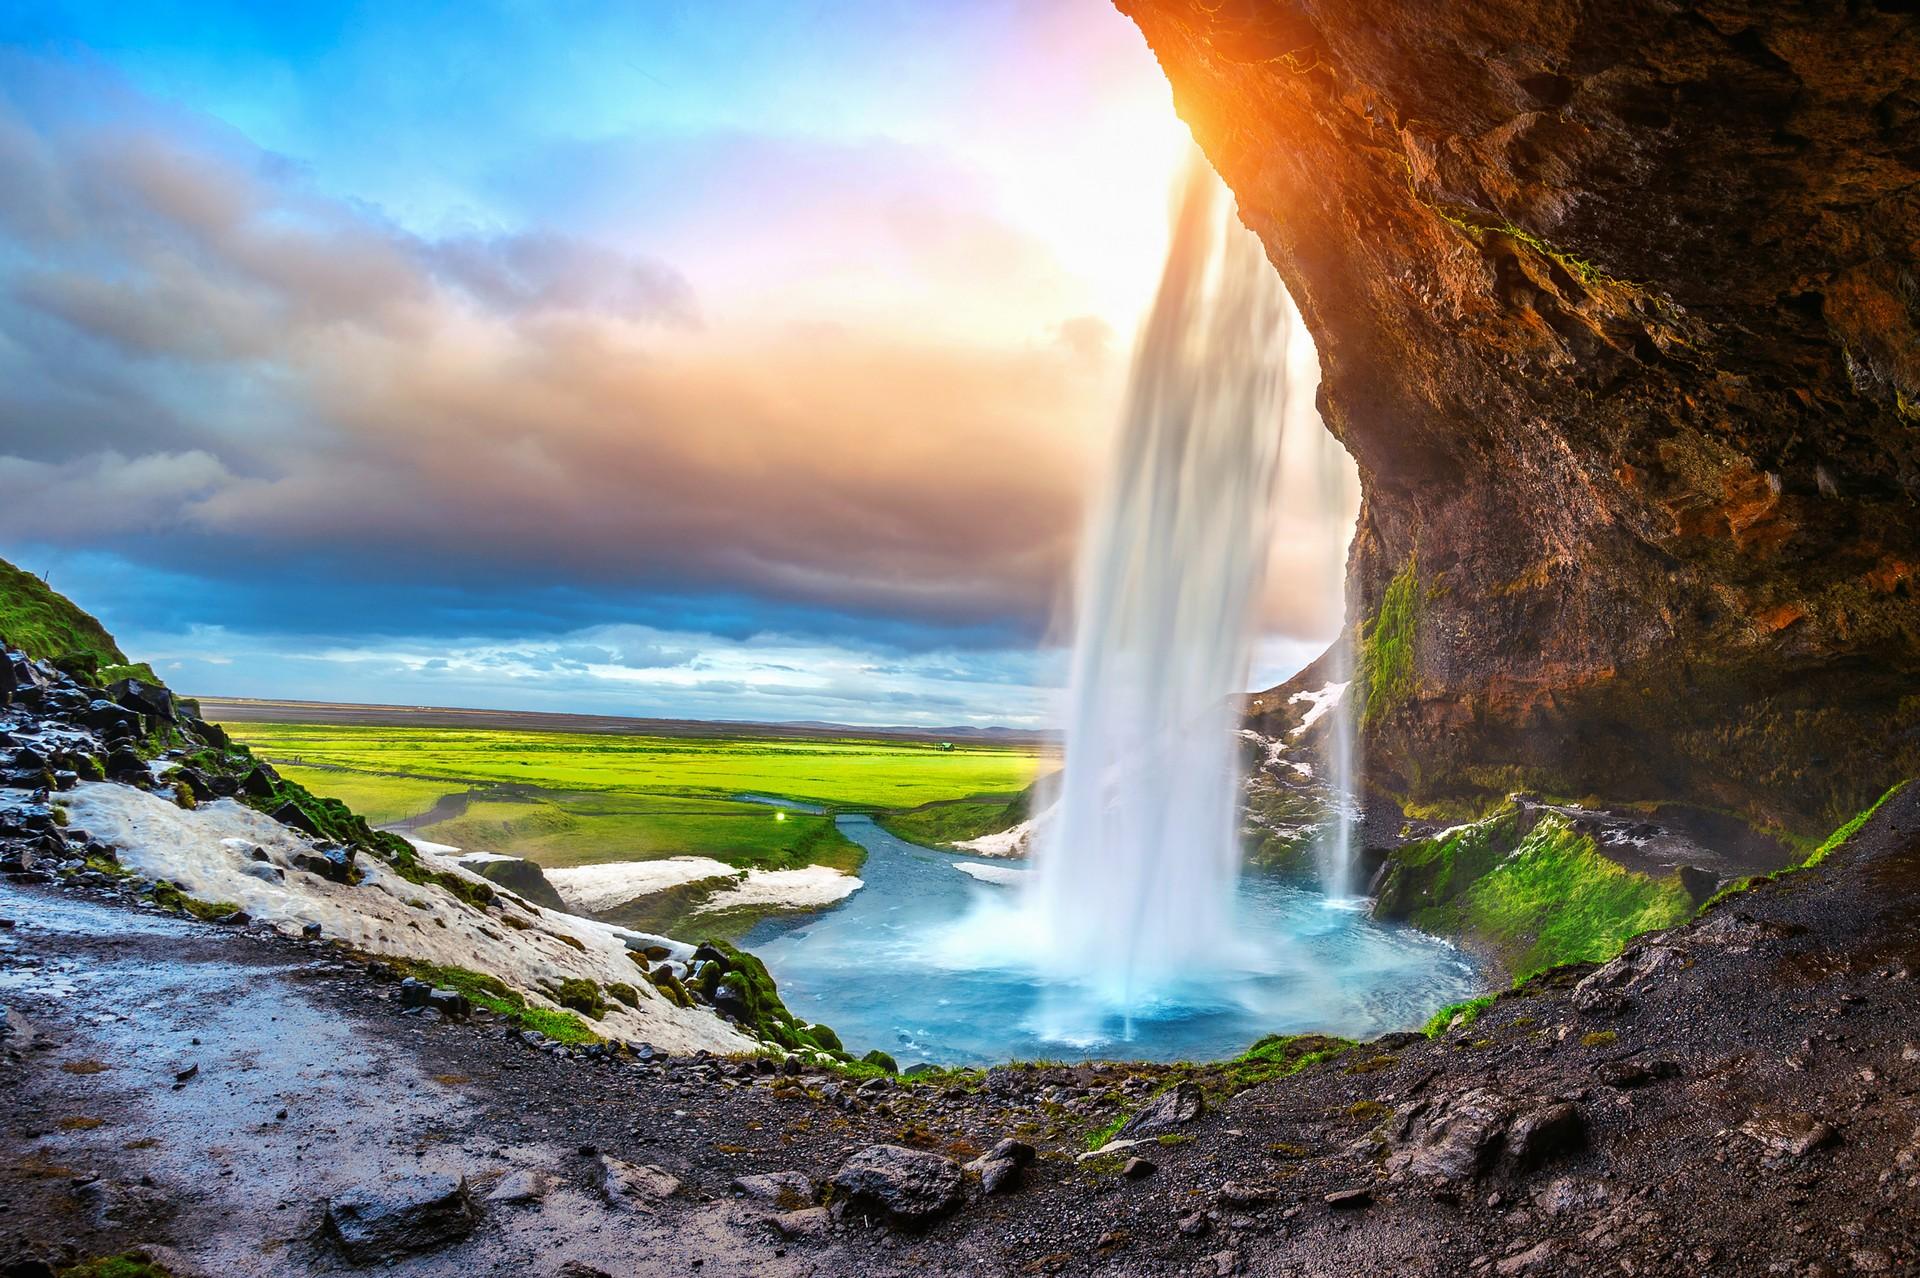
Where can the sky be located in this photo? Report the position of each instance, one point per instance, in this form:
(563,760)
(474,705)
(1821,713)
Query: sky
(748,361)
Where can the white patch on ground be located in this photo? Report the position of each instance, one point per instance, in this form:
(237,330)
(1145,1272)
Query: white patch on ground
(1303,768)
(595,888)
(810,887)
(1011,843)
(441,849)
(990,873)
(601,887)
(208,853)
(464,858)
(1318,704)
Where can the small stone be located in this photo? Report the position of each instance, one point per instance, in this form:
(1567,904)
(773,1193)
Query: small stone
(1138,1168)
(787,1190)
(1789,1135)
(634,1187)
(808,1222)
(527,1185)
(1350,1199)
(1176,1107)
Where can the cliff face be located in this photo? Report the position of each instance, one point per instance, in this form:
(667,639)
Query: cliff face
(1619,313)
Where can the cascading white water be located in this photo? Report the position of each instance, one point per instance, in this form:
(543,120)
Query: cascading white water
(1334,858)
(1136,866)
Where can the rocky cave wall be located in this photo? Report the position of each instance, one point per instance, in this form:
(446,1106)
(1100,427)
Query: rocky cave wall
(1619,313)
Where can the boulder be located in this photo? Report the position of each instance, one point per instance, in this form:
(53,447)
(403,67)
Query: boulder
(1173,1108)
(1788,1136)
(392,1218)
(808,1222)
(910,1186)
(633,1187)
(1457,1137)
(330,862)
(261,783)
(145,698)
(295,817)
(999,1168)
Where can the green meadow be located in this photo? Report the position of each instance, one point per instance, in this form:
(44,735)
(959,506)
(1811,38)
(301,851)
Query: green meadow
(563,798)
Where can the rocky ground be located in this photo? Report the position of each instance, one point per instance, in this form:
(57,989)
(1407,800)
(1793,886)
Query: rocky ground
(1740,1096)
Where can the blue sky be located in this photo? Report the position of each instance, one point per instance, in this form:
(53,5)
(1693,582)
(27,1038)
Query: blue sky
(737,361)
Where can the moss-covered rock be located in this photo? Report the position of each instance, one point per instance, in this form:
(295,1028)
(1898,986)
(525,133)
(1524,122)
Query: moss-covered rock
(1527,888)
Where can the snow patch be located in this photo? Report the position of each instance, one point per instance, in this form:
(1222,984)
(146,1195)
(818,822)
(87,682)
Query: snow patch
(594,888)
(1007,843)
(990,873)
(601,887)
(209,853)
(1318,704)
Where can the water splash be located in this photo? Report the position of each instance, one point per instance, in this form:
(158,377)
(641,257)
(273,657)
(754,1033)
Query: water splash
(1137,864)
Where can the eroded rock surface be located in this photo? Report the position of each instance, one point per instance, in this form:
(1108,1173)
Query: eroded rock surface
(1616,312)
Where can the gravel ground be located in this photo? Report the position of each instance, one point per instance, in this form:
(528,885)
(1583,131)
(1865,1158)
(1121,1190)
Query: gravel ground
(1740,1096)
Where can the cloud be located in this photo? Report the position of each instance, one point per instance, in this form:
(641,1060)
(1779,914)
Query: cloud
(285,373)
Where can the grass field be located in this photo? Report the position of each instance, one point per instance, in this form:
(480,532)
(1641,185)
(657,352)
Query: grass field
(584,829)
(580,798)
(381,799)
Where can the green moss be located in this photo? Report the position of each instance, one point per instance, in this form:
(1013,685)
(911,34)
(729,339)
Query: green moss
(881,1061)
(130,1265)
(1557,900)
(1467,1013)
(47,625)
(1538,896)
(581,995)
(1106,1132)
(767,1018)
(496,996)
(1386,647)
(1839,837)
(625,993)
(1599,1038)
(168,896)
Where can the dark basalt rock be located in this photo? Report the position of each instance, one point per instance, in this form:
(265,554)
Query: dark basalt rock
(1615,314)
(908,1186)
(1171,1109)
(335,864)
(400,1216)
(149,699)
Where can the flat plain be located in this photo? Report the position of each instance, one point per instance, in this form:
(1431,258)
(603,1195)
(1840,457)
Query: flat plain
(573,798)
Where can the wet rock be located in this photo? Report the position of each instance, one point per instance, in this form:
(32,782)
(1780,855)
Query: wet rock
(1789,1136)
(330,862)
(398,1216)
(527,1185)
(906,1185)
(787,1189)
(1174,1108)
(1138,1168)
(125,763)
(635,1187)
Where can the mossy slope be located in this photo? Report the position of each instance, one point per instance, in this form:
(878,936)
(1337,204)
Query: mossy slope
(1530,889)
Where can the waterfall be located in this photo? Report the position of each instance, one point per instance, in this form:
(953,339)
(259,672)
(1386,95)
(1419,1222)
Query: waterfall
(1334,854)
(1136,867)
